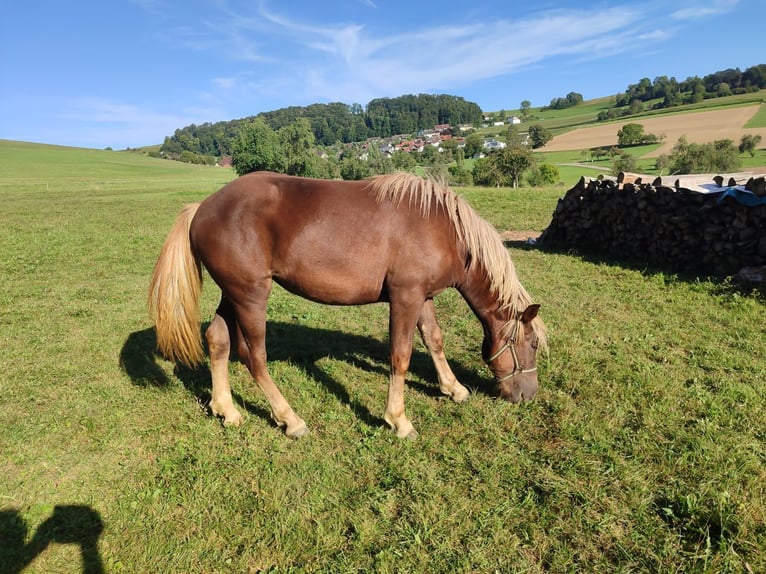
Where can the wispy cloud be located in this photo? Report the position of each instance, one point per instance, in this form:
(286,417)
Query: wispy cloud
(338,60)
(704,10)
(276,55)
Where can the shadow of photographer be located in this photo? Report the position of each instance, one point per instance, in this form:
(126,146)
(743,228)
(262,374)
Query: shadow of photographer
(303,346)
(69,524)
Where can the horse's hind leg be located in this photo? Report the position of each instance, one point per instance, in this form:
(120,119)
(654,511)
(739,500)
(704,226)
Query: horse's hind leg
(251,319)
(218,336)
(434,342)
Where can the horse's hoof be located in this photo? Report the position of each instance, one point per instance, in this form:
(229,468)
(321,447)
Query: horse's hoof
(231,416)
(297,433)
(405,433)
(412,435)
(233,421)
(460,396)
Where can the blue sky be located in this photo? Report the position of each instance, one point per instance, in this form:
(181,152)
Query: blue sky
(127,73)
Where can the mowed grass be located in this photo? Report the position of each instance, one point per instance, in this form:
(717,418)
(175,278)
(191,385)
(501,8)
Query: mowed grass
(645,450)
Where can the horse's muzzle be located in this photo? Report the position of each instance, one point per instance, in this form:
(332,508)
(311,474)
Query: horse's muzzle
(518,389)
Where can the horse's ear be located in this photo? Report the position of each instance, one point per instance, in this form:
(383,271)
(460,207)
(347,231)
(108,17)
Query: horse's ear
(530,313)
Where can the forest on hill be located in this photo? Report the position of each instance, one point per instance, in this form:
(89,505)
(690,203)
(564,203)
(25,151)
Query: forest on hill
(334,122)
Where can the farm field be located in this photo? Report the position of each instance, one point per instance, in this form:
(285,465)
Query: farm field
(698,127)
(644,451)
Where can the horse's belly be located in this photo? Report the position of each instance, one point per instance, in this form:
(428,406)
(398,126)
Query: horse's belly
(332,284)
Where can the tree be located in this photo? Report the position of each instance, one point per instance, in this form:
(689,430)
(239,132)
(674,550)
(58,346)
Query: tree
(662,163)
(544,174)
(429,155)
(623,161)
(503,167)
(377,161)
(354,168)
(749,143)
(458,172)
(526,105)
(598,153)
(513,137)
(630,134)
(539,136)
(448,149)
(298,146)
(719,156)
(635,107)
(473,144)
(571,99)
(486,171)
(257,148)
(513,161)
(403,160)
(723,90)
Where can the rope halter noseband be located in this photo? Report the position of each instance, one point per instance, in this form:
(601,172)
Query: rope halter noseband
(510,344)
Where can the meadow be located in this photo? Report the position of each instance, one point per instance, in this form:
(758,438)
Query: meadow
(644,451)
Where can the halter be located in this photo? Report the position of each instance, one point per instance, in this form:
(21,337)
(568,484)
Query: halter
(510,344)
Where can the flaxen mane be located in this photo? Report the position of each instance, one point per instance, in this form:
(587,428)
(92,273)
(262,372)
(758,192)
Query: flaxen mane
(479,238)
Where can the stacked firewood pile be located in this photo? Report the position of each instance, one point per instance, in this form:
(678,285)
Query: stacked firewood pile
(662,224)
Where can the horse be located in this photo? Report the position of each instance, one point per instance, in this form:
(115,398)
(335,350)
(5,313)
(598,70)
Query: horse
(396,238)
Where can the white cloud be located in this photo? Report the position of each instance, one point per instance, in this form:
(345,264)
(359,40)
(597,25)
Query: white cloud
(704,10)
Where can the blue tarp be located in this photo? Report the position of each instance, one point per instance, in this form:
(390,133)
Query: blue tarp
(742,196)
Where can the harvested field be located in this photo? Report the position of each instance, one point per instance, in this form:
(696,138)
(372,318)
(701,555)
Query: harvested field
(698,127)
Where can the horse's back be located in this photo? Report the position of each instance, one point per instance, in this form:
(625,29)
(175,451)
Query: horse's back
(329,241)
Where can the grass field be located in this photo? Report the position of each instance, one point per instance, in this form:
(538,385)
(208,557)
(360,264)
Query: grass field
(645,450)
(561,121)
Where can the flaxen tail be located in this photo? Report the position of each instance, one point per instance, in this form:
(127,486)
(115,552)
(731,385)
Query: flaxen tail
(174,294)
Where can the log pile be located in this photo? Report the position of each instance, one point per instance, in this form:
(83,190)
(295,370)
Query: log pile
(661,224)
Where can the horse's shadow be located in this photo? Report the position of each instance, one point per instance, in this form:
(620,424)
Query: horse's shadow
(69,524)
(303,346)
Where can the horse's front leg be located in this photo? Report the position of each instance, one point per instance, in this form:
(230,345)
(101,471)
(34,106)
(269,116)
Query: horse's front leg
(402,321)
(434,342)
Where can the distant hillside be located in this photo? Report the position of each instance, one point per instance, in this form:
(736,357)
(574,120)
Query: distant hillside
(335,123)
(383,117)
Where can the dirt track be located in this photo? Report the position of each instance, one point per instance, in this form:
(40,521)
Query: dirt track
(698,127)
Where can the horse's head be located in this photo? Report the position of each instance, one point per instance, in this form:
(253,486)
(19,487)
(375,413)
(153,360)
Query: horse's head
(512,357)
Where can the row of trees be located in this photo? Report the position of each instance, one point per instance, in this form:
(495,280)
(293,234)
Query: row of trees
(719,156)
(292,150)
(570,100)
(333,123)
(669,92)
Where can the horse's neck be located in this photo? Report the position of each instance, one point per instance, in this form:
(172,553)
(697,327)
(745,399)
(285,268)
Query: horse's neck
(476,290)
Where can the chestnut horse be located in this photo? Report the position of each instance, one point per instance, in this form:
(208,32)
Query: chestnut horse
(394,238)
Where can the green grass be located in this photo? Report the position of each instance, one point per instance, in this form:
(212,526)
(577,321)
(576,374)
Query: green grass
(643,452)
(759,119)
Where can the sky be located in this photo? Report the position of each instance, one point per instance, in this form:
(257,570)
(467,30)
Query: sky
(128,73)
